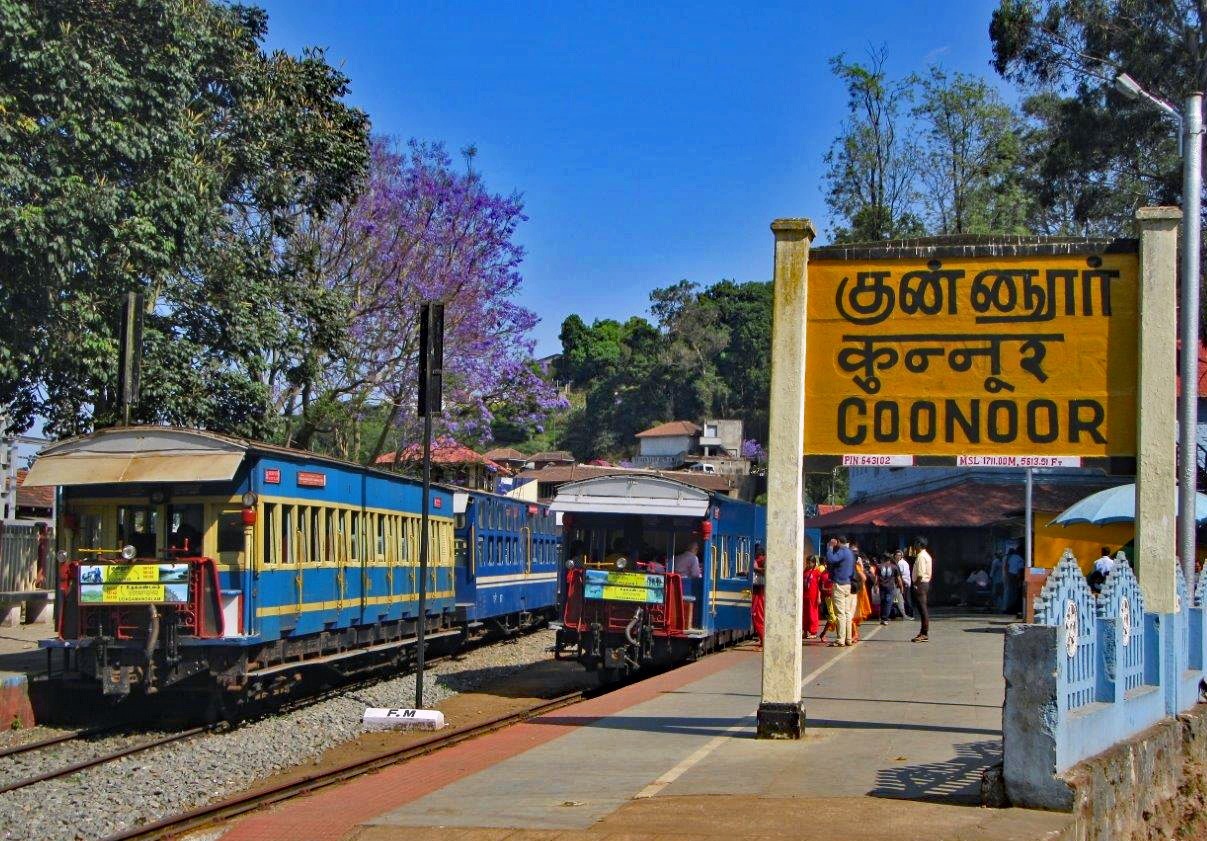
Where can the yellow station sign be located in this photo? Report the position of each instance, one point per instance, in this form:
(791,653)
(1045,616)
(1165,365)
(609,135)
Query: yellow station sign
(976,356)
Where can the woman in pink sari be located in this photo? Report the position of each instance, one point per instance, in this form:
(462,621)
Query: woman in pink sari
(811,617)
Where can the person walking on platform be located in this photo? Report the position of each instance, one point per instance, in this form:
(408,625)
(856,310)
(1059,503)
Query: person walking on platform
(840,561)
(907,582)
(758,593)
(861,603)
(888,577)
(811,615)
(829,614)
(1016,580)
(923,571)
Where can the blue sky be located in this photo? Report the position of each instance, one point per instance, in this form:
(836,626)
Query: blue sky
(651,142)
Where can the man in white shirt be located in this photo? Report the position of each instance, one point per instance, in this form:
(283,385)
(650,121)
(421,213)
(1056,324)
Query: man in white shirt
(923,570)
(907,584)
(1105,564)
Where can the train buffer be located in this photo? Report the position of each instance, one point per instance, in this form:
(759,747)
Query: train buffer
(898,737)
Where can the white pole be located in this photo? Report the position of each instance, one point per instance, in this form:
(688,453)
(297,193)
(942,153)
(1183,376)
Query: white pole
(1030,515)
(1192,184)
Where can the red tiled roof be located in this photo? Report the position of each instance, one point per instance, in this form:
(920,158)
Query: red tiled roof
(442,453)
(674,428)
(553,455)
(967,504)
(824,508)
(39,496)
(505,454)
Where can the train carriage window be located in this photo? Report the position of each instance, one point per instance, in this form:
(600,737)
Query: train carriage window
(743,557)
(381,535)
(91,531)
(316,535)
(330,536)
(230,535)
(272,553)
(354,535)
(287,536)
(138,526)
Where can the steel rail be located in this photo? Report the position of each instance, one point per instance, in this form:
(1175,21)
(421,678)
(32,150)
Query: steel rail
(56,740)
(243,803)
(102,759)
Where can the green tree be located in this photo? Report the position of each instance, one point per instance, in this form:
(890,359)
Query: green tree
(870,166)
(1100,155)
(153,146)
(970,166)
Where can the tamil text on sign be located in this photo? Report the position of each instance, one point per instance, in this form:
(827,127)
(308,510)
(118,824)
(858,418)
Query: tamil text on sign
(973,356)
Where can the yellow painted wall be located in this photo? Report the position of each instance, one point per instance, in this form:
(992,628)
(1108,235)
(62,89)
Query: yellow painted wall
(1086,541)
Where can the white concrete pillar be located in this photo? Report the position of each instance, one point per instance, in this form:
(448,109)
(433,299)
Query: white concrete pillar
(1156,408)
(781,714)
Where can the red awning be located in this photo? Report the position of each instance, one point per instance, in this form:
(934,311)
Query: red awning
(968,504)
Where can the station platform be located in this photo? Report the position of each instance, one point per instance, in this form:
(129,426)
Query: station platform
(897,737)
(21,661)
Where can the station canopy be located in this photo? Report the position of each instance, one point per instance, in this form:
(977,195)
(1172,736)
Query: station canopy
(618,494)
(139,454)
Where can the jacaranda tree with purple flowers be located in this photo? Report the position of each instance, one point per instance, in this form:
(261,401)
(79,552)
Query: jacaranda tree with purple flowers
(421,229)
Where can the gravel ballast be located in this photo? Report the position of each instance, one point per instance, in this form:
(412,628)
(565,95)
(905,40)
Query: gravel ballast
(173,778)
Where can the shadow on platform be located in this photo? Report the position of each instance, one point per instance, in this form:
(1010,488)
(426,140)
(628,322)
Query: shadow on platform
(956,780)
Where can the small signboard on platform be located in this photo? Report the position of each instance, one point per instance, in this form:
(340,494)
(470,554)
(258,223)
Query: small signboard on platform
(386,718)
(615,586)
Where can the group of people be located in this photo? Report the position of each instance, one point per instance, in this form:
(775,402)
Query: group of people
(847,587)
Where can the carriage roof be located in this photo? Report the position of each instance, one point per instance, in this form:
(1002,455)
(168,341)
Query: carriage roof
(130,454)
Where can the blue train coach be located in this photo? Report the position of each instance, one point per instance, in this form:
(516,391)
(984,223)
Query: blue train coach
(195,560)
(509,552)
(625,604)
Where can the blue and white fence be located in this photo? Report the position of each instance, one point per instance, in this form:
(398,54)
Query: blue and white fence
(1091,672)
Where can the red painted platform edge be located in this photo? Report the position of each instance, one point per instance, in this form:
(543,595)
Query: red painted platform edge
(335,812)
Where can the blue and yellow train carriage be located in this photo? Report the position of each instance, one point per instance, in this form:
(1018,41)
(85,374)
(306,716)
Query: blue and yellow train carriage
(509,552)
(194,559)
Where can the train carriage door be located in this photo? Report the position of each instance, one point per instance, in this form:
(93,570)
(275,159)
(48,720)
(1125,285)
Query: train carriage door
(290,594)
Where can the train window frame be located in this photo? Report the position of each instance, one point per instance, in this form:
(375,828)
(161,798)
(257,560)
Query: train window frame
(223,515)
(379,537)
(354,535)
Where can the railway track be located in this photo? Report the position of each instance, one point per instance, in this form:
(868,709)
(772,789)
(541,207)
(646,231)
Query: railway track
(65,770)
(257,798)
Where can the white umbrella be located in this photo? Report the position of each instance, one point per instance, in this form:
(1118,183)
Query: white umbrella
(1114,505)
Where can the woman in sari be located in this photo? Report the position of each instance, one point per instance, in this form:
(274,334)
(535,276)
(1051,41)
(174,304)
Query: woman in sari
(826,588)
(863,604)
(758,596)
(811,616)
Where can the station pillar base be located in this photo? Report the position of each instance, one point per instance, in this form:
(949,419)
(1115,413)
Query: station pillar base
(781,721)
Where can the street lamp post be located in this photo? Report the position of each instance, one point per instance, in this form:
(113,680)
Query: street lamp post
(1190,121)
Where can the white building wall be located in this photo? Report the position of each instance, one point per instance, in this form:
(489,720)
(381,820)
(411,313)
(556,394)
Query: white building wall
(665,445)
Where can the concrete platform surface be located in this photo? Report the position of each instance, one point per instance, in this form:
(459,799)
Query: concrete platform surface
(898,735)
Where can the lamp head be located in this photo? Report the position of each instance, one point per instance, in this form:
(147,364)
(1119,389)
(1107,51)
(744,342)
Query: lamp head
(1128,86)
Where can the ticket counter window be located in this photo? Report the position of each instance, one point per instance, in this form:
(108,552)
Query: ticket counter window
(138,526)
(186,527)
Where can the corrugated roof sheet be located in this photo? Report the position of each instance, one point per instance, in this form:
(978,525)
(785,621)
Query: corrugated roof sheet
(505,454)
(967,504)
(674,428)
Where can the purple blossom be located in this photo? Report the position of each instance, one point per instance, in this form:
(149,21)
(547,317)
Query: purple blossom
(753,450)
(423,231)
